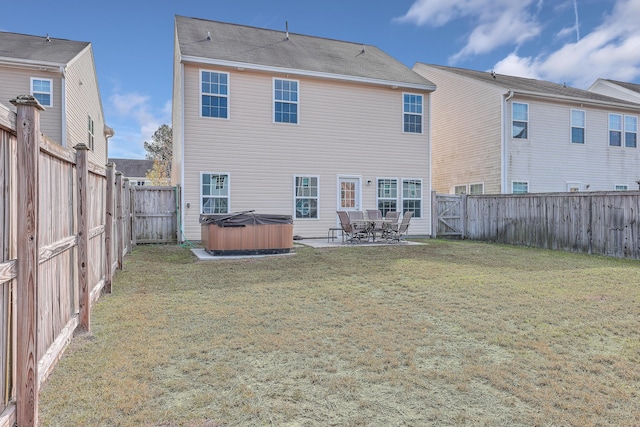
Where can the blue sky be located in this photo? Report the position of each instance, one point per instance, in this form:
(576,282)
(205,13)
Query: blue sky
(572,42)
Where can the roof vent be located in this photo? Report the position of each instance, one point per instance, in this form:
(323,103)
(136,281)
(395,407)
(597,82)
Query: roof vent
(208,35)
(363,50)
(493,74)
(286,23)
(47,38)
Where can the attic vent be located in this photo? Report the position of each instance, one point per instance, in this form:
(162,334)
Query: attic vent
(363,50)
(47,38)
(286,23)
(208,35)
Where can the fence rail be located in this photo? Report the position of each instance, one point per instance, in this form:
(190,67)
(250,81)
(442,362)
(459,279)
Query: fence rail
(59,248)
(605,223)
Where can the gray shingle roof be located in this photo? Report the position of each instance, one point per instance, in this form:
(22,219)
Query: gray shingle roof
(132,168)
(522,84)
(238,44)
(37,48)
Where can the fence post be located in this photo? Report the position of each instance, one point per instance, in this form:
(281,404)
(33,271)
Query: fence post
(126,212)
(82,173)
(119,219)
(434,214)
(463,217)
(132,210)
(108,232)
(28,152)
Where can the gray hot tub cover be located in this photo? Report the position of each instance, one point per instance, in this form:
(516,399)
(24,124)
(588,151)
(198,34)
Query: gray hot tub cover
(241,219)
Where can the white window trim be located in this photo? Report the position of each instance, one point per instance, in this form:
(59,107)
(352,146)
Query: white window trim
(528,121)
(398,195)
(421,115)
(229,185)
(295,197)
(621,130)
(402,199)
(624,131)
(466,188)
(571,126)
(274,100)
(50,93)
(228,95)
(476,183)
(621,185)
(520,182)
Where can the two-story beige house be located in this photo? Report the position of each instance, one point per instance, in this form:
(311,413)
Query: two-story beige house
(494,133)
(292,124)
(61,74)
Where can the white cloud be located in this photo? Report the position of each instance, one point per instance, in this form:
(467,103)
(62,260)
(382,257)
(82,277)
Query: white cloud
(497,22)
(134,120)
(609,51)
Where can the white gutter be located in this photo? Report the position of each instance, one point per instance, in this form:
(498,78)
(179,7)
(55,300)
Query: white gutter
(295,71)
(629,105)
(29,63)
(503,143)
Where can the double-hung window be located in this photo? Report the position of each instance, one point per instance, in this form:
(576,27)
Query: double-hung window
(214,88)
(578,122)
(412,113)
(42,90)
(214,193)
(412,196)
(630,131)
(476,188)
(615,130)
(520,120)
(90,137)
(387,195)
(519,187)
(306,197)
(285,101)
(460,189)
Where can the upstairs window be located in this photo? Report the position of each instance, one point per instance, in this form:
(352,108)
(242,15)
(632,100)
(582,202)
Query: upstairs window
(520,120)
(412,111)
(306,197)
(285,98)
(387,195)
(630,131)
(578,122)
(615,130)
(214,94)
(90,137)
(42,90)
(214,193)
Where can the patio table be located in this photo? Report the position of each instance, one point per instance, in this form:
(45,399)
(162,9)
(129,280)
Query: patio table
(370,226)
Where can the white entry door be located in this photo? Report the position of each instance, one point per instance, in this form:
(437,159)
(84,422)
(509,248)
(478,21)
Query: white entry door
(349,197)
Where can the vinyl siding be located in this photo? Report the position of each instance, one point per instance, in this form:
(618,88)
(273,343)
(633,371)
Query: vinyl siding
(615,91)
(17,81)
(466,131)
(83,100)
(344,129)
(548,160)
(176,117)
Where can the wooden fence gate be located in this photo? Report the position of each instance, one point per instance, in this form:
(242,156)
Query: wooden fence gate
(448,215)
(154,216)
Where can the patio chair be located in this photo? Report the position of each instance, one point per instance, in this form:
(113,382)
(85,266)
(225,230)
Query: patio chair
(399,232)
(374,214)
(353,234)
(390,222)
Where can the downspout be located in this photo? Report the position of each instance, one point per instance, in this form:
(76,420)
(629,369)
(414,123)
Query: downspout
(63,103)
(184,146)
(430,163)
(503,144)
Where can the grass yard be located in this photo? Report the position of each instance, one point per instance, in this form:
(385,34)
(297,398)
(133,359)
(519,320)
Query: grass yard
(445,333)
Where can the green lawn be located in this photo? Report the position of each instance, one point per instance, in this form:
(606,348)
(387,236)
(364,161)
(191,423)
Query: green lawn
(445,333)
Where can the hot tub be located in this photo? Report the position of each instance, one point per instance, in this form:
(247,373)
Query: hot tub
(246,233)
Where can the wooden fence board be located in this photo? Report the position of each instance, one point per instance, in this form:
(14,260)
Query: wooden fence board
(605,223)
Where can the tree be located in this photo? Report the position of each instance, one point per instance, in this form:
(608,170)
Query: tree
(161,152)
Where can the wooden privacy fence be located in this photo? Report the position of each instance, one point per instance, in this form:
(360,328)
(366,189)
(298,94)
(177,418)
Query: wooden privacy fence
(63,235)
(605,223)
(154,214)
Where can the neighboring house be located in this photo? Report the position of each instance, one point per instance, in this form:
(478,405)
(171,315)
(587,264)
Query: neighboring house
(493,133)
(292,124)
(61,74)
(622,90)
(134,169)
